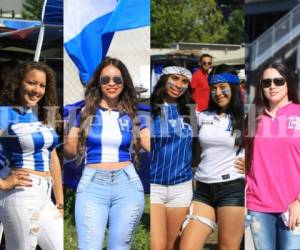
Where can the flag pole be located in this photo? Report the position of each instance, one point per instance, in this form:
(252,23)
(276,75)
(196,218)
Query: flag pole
(41,36)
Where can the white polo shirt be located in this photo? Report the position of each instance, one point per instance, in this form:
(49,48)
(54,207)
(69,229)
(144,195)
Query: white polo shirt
(218,151)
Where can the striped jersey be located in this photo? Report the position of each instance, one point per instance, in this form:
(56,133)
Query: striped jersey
(109,136)
(3,159)
(26,142)
(171,148)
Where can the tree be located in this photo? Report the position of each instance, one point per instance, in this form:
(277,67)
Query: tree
(32,9)
(186,20)
(236,26)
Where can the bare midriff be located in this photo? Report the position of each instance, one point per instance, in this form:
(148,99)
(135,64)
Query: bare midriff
(31,171)
(110,165)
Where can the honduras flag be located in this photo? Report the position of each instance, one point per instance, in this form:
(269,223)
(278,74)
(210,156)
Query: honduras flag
(90,26)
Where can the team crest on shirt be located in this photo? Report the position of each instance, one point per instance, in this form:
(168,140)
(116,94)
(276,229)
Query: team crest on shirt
(173,122)
(179,124)
(124,125)
(294,122)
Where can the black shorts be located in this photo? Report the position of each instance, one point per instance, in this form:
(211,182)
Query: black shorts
(229,193)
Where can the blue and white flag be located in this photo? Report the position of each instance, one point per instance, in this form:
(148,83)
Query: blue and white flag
(89,27)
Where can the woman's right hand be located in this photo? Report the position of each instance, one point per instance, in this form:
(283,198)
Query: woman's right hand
(239,164)
(17,178)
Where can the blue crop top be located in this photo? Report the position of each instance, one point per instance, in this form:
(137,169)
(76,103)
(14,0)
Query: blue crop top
(26,142)
(109,136)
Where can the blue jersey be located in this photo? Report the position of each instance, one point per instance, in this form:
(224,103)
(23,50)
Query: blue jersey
(109,137)
(171,148)
(26,142)
(3,159)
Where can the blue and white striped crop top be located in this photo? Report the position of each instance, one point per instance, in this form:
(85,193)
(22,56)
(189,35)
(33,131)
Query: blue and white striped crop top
(109,136)
(26,142)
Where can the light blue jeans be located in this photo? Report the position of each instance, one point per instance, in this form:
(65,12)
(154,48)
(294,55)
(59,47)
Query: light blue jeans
(105,196)
(270,233)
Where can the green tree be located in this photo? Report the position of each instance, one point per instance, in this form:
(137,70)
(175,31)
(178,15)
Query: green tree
(236,26)
(32,9)
(186,20)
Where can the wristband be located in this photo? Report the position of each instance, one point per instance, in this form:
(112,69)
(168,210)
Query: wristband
(60,206)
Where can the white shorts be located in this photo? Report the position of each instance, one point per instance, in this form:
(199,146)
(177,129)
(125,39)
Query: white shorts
(179,195)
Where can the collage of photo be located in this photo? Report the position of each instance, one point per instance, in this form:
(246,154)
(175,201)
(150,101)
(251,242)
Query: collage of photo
(149,124)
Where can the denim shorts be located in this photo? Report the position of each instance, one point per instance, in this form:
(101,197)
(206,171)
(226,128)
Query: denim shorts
(229,193)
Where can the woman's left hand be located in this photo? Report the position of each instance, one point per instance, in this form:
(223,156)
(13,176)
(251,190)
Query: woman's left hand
(239,164)
(294,212)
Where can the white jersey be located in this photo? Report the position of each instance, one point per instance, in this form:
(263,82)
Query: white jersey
(218,151)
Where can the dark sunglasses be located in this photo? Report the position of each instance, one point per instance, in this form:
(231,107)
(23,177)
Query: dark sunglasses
(206,63)
(103,80)
(266,83)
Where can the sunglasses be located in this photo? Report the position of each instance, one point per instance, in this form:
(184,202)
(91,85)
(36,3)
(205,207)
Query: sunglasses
(206,63)
(103,80)
(266,83)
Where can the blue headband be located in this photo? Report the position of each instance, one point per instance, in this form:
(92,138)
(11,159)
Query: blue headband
(224,77)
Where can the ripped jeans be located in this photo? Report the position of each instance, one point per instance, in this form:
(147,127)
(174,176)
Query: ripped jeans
(103,196)
(29,217)
(270,233)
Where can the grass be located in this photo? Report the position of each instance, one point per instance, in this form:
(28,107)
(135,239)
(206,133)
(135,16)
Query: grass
(142,235)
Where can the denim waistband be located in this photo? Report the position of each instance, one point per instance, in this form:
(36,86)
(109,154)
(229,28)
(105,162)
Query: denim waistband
(116,175)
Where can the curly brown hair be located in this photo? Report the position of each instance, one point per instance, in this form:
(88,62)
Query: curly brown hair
(47,107)
(127,103)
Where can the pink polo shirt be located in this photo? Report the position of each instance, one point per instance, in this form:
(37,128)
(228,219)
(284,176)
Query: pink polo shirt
(274,179)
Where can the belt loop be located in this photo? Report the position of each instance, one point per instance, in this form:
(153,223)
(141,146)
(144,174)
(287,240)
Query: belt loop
(93,176)
(128,176)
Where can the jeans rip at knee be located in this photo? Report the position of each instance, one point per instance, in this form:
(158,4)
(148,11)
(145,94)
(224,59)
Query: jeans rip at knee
(34,227)
(134,219)
(255,225)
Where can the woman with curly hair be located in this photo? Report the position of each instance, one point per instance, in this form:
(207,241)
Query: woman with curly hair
(28,137)
(171,148)
(109,189)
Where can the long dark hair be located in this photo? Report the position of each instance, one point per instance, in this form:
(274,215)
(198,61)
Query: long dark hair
(159,94)
(128,100)
(261,103)
(235,108)
(10,94)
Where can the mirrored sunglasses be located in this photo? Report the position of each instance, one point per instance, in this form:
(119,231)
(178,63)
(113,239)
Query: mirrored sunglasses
(103,80)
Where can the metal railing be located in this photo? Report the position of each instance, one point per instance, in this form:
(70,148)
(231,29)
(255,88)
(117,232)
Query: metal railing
(276,37)
(7,13)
